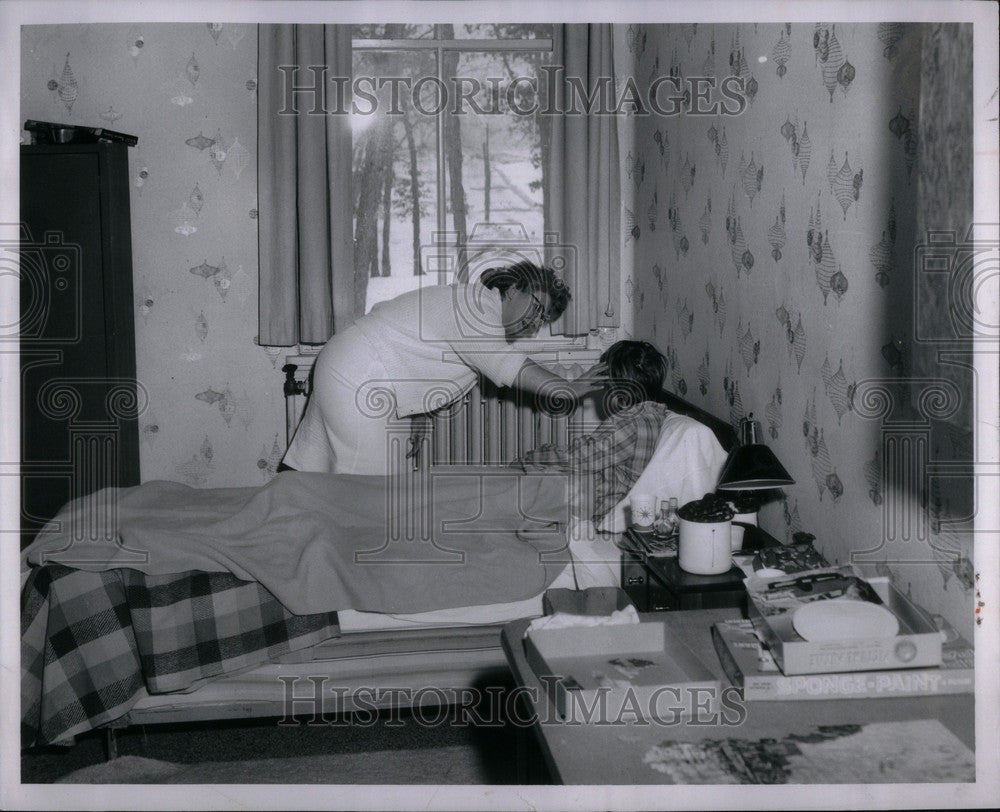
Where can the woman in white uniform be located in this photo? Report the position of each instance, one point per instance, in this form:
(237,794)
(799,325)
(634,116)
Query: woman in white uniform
(420,352)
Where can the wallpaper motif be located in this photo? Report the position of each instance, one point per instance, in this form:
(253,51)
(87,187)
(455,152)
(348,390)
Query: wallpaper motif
(188,91)
(775,283)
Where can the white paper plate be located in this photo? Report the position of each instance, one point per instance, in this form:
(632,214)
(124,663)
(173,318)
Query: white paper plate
(844,620)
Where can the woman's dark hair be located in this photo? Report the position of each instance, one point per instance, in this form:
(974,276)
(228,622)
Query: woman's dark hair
(526,276)
(636,370)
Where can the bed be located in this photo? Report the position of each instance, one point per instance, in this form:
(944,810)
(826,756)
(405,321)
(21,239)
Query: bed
(118,646)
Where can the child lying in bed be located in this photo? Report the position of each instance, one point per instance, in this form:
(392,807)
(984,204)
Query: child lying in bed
(607,462)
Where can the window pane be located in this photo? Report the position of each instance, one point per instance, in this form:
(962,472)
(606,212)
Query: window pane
(504,31)
(501,162)
(395,203)
(493,186)
(473,31)
(392,31)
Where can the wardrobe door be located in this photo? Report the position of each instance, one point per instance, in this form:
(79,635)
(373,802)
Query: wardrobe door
(78,390)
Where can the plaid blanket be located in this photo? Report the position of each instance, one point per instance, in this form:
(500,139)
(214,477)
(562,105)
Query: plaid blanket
(91,642)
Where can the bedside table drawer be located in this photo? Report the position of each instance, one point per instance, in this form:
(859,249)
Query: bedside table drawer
(635,581)
(644,589)
(659,598)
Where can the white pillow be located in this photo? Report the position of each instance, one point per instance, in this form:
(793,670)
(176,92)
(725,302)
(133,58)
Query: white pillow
(687,463)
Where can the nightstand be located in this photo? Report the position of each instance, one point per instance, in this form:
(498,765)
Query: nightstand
(658,584)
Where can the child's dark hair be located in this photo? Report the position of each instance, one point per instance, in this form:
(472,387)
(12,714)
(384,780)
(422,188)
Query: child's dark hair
(530,277)
(636,370)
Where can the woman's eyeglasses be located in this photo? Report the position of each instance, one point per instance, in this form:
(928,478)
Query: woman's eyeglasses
(537,309)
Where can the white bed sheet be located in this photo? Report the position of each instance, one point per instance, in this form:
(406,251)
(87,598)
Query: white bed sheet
(595,563)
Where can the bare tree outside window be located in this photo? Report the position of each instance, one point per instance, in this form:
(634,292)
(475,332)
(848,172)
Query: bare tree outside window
(493,163)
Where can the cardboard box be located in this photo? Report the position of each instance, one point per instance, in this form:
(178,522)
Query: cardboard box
(918,642)
(621,673)
(751,668)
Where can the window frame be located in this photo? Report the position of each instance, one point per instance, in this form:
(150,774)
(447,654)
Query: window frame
(539,345)
(440,47)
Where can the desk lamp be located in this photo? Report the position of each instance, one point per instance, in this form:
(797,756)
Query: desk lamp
(751,466)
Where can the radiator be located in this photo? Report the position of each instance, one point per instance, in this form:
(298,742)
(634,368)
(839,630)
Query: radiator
(490,425)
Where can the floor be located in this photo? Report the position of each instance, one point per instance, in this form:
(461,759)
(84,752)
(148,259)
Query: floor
(376,751)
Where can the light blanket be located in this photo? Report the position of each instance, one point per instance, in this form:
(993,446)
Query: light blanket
(328,542)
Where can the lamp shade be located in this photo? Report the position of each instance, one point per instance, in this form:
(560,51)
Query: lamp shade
(753,467)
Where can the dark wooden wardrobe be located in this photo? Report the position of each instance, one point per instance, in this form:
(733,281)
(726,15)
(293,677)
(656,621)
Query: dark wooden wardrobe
(79,406)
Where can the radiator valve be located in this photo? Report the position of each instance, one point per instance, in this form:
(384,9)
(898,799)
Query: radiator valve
(293,386)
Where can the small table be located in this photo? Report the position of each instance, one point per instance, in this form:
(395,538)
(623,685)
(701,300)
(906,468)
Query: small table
(658,584)
(584,753)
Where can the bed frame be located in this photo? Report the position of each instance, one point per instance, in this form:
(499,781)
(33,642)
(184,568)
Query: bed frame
(401,668)
(425,666)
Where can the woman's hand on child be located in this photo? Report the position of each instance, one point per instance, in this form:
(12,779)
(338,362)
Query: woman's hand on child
(593,380)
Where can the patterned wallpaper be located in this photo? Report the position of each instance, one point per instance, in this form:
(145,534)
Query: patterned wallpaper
(216,411)
(770,255)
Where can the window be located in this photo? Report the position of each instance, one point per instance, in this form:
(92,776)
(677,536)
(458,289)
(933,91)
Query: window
(449,151)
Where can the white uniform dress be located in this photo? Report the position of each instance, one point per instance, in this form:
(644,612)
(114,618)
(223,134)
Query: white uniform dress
(412,354)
